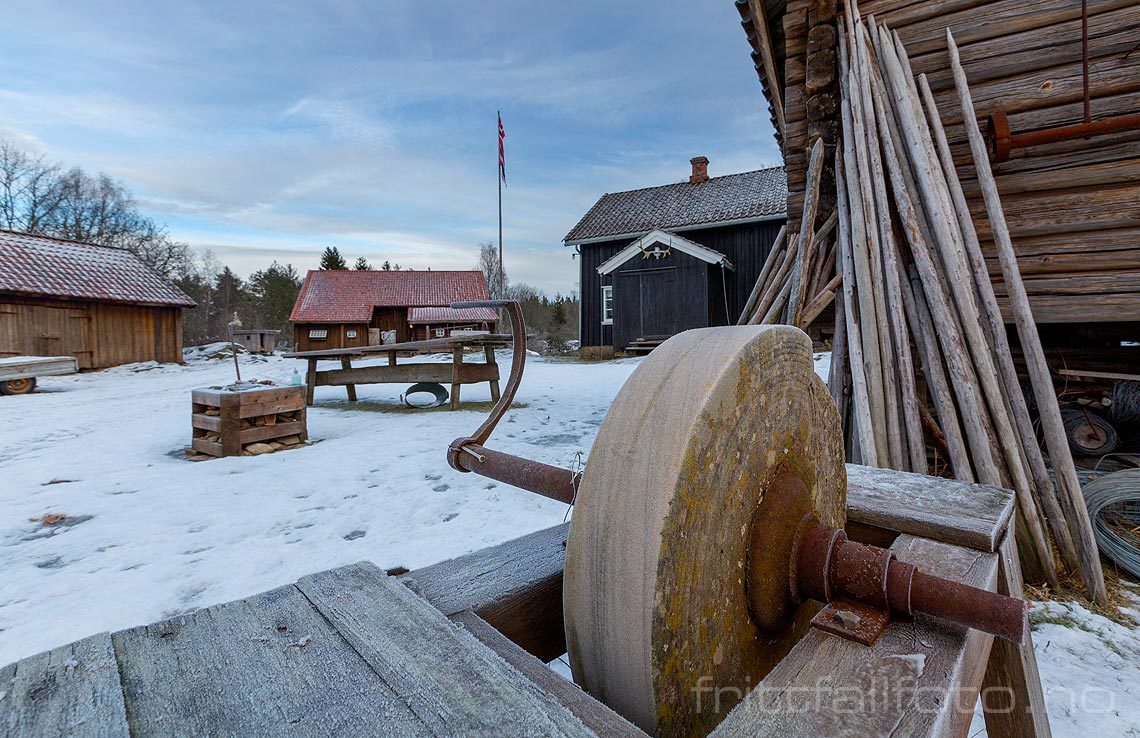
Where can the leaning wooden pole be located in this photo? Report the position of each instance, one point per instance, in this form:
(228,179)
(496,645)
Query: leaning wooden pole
(1055,440)
(862,282)
(996,333)
(880,323)
(862,422)
(800,275)
(912,425)
(928,174)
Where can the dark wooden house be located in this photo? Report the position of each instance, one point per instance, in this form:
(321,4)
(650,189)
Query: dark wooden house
(661,260)
(346,309)
(1072,205)
(100,304)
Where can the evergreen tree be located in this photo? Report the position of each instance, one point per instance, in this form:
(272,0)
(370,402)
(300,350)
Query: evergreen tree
(230,296)
(386,266)
(332,260)
(274,291)
(362,265)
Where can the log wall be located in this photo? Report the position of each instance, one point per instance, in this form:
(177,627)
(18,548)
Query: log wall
(1073,208)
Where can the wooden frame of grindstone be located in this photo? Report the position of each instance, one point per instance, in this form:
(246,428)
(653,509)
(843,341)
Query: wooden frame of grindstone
(483,673)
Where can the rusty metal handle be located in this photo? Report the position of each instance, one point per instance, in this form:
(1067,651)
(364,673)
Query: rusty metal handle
(471,455)
(518,362)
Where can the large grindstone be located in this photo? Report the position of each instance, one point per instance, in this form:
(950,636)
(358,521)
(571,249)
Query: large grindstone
(671,534)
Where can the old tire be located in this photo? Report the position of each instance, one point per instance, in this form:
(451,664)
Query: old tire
(18,386)
(656,578)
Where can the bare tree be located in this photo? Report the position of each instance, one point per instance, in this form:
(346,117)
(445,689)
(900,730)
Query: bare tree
(36,196)
(29,191)
(497,282)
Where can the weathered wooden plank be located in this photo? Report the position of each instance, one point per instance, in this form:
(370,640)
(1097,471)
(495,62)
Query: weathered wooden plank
(265,432)
(1110,33)
(206,422)
(407,373)
(1081,284)
(515,586)
(69,691)
(451,681)
(25,367)
(920,678)
(999,18)
(593,714)
(1105,308)
(1042,213)
(947,510)
(1046,87)
(1013,699)
(440,344)
(266,665)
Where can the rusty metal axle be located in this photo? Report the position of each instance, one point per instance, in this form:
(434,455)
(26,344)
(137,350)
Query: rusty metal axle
(828,567)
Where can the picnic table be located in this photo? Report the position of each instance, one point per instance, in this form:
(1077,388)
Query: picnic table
(456,373)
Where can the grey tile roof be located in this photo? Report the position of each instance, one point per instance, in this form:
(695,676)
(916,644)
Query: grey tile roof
(759,194)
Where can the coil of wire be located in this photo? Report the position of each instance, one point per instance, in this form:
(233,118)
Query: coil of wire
(1113,502)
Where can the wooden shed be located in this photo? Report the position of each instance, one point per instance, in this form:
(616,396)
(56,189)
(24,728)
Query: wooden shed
(100,304)
(347,309)
(1073,205)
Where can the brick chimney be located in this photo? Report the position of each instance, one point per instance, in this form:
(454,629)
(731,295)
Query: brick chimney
(700,170)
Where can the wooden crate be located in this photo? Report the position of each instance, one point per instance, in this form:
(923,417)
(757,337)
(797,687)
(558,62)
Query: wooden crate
(224,421)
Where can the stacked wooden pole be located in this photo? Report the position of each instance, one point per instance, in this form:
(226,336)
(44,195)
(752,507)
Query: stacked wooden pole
(797,283)
(915,289)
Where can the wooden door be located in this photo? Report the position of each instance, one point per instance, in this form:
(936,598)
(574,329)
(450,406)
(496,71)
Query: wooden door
(646,305)
(43,330)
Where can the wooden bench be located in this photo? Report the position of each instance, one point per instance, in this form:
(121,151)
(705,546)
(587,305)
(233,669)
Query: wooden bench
(457,373)
(458,648)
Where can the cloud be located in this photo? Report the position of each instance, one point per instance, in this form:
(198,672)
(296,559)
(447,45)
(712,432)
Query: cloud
(370,125)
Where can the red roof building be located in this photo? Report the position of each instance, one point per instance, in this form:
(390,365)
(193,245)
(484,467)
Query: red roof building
(346,309)
(100,304)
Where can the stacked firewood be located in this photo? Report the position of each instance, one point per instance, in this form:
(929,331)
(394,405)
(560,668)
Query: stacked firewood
(914,290)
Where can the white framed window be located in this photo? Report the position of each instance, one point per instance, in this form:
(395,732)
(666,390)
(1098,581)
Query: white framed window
(350,334)
(607,304)
(319,333)
(441,333)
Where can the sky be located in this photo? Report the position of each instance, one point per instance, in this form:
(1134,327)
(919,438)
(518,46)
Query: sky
(268,130)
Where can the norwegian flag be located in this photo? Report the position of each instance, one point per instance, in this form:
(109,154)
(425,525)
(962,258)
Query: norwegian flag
(502,151)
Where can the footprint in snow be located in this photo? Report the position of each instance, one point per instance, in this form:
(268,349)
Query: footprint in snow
(450,516)
(441,488)
(354,535)
(433,477)
(55,562)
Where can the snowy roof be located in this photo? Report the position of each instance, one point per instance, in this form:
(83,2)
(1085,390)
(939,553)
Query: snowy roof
(733,198)
(342,296)
(449,315)
(38,265)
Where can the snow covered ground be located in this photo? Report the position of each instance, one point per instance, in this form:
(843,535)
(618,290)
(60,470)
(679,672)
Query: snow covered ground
(149,534)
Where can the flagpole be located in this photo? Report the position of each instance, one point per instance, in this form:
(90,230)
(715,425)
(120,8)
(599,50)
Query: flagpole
(499,179)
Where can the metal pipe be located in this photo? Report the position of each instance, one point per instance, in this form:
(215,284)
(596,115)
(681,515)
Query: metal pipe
(1002,141)
(829,567)
(554,482)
